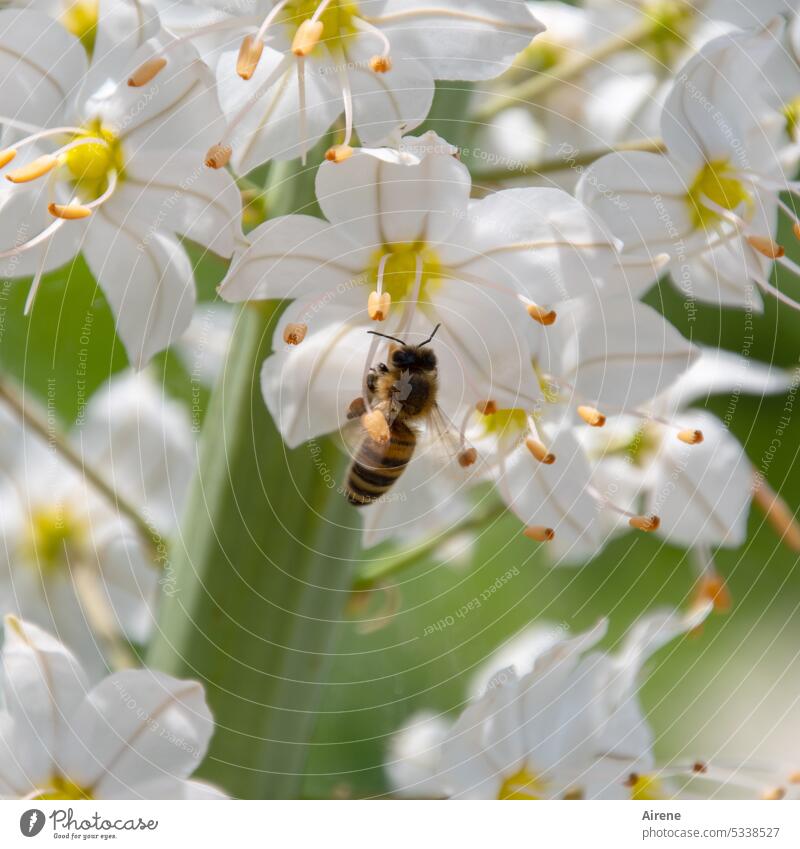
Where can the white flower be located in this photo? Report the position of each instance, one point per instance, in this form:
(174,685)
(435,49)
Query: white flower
(701,492)
(296,65)
(711,202)
(605,353)
(95,166)
(403,245)
(137,734)
(71,561)
(562,720)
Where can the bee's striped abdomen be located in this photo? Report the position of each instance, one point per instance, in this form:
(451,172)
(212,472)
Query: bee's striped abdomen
(377,466)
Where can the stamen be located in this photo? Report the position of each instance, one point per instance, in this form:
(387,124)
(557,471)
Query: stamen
(378,305)
(766,246)
(367,27)
(711,587)
(147,71)
(778,514)
(6,156)
(69,212)
(645,523)
(347,99)
(307,37)
(301,98)
(592,416)
(218,155)
(796,229)
(338,153)
(486,408)
(774,794)
(540,314)
(539,534)
(539,451)
(235,22)
(249,56)
(380,64)
(467,457)
(33,170)
(376,426)
(691,437)
(294,333)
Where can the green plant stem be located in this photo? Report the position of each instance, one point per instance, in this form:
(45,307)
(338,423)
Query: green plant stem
(530,90)
(36,422)
(373,576)
(262,567)
(569,160)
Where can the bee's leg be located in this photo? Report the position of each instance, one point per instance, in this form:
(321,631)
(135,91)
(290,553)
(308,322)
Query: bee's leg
(357,408)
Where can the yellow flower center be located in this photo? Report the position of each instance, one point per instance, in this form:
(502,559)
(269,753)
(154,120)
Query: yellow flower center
(337,20)
(400,271)
(540,55)
(53,533)
(512,422)
(90,164)
(62,789)
(791,111)
(523,785)
(671,22)
(716,183)
(646,788)
(638,449)
(80,18)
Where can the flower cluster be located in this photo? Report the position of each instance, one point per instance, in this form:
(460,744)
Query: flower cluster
(563,720)
(470,334)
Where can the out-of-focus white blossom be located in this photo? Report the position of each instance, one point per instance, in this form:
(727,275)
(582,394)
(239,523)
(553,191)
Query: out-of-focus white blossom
(137,734)
(71,561)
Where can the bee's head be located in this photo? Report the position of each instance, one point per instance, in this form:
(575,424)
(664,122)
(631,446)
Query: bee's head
(413,357)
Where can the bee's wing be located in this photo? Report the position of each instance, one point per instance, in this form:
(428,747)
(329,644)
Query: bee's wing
(443,435)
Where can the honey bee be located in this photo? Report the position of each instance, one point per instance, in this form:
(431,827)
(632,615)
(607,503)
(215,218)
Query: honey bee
(402,394)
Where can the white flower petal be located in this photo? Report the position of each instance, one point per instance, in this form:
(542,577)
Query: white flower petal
(415,197)
(273,126)
(707,114)
(180,194)
(555,496)
(384,103)
(147,279)
(412,762)
(143,442)
(293,257)
(616,352)
(702,492)
(41,67)
(136,726)
(720,372)
(642,197)
(308,388)
(540,241)
(460,39)
(42,688)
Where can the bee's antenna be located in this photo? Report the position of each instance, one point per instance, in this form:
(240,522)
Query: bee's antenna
(393,338)
(430,338)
